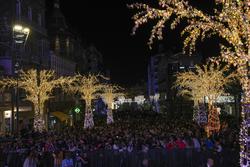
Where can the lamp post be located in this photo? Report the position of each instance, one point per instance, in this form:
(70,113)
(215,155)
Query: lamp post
(16,71)
(20,36)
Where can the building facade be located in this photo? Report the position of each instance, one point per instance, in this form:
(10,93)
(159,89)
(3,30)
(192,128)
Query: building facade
(162,68)
(69,54)
(67,44)
(32,53)
(50,44)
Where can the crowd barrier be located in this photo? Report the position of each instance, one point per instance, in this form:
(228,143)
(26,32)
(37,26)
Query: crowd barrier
(157,158)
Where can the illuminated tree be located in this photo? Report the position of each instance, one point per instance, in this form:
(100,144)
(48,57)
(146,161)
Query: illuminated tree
(231,22)
(38,87)
(110,93)
(206,81)
(89,87)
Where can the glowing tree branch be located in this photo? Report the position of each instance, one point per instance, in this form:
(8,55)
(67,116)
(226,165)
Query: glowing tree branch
(89,87)
(110,93)
(38,87)
(231,22)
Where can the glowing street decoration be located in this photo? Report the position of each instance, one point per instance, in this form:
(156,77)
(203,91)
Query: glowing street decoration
(207,81)
(213,124)
(231,22)
(110,93)
(38,87)
(200,114)
(139,100)
(89,87)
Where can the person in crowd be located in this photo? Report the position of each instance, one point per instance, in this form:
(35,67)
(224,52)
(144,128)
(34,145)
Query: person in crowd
(170,145)
(132,132)
(67,161)
(196,144)
(218,147)
(81,160)
(210,162)
(180,143)
(218,151)
(145,163)
(31,160)
(209,144)
(58,157)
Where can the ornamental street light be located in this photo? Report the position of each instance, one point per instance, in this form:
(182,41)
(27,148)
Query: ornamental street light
(20,36)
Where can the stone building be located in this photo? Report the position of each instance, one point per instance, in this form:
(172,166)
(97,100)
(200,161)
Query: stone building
(67,43)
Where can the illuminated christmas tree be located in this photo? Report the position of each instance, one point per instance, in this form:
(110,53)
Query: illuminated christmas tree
(38,86)
(230,21)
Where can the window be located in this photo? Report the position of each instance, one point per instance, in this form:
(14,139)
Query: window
(67,47)
(57,46)
(30,13)
(7,97)
(18,9)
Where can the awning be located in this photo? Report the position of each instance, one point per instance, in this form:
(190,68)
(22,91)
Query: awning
(61,116)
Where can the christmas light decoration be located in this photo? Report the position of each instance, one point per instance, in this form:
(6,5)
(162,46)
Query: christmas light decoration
(110,93)
(200,114)
(38,87)
(205,81)
(213,124)
(89,87)
(231,22)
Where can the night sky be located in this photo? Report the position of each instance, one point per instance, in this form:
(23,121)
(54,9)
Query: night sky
(108,25)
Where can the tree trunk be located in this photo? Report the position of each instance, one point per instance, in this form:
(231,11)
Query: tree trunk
(39,123)
(245,109)
(88,120)
(110,118)
(213,124)
(200,113)
(196,112)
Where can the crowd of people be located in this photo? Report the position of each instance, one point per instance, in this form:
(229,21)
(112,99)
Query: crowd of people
(133,133)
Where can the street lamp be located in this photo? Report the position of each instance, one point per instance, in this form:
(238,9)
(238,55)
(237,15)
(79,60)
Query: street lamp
(20,36)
